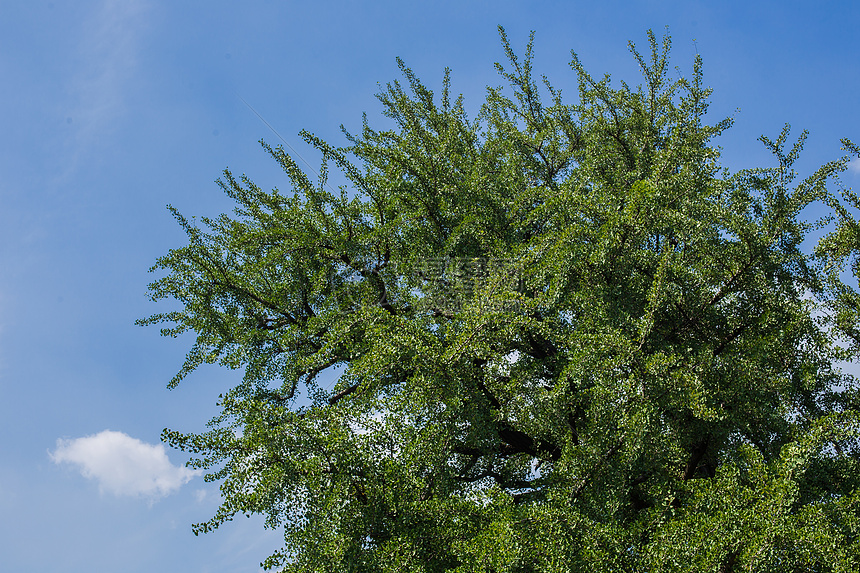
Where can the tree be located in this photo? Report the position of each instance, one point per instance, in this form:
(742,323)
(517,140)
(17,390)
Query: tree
(562,339)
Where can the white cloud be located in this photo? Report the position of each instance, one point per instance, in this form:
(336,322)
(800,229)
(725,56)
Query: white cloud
(854,165)
(123,465)
(104,73)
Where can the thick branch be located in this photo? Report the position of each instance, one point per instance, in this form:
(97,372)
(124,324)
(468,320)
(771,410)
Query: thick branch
(342,394)
(500,480)
(730,338)
(696,455)
(372,275)
(520,442)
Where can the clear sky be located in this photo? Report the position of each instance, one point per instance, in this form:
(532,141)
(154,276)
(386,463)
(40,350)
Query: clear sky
(109,110)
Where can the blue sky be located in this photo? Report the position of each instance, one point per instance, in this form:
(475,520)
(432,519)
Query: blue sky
(113,109)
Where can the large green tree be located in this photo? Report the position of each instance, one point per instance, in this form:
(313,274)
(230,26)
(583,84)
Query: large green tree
(555,337)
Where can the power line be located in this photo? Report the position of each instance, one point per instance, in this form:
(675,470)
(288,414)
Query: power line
(275,131)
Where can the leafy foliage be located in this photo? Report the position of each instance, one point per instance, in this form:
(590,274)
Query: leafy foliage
(562,339)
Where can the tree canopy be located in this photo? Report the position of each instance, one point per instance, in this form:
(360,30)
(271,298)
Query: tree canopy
(555,337)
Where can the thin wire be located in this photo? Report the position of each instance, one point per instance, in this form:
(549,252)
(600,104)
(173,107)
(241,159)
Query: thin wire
(275,131)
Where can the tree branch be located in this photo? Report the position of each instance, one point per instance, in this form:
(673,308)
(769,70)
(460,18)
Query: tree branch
(343,394)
